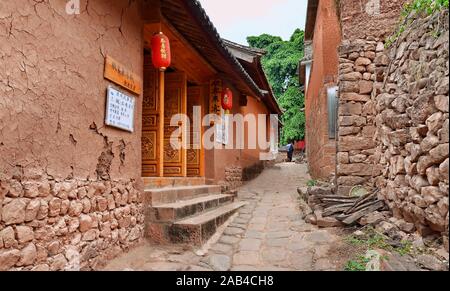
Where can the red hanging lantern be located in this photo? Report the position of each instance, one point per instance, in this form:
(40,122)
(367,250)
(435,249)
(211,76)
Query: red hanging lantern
(227,99)
(161,56)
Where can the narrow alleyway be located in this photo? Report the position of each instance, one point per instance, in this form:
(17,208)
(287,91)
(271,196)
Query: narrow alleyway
(267,235)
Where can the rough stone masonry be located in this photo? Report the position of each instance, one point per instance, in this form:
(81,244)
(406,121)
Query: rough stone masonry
(393,113)
(67,225)
(356,146)
(412,110)
(363,31)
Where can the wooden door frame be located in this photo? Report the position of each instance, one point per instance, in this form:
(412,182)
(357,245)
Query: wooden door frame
(201,99)
(183,151)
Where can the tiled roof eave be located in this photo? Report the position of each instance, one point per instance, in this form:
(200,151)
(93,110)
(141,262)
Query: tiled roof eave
(209,27)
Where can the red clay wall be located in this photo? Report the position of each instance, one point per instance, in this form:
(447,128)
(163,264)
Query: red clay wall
(224,166)
(69,186)
(321,149)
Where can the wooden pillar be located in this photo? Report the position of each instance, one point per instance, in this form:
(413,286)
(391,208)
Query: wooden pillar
(161,123)
(185,142)
(204,94)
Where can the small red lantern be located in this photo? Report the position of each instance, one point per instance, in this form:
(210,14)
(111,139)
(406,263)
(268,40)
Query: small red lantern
(227,99)
(161,56)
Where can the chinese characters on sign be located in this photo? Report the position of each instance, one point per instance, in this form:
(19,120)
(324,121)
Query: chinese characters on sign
(120,110)
(117,73)
(215,106)
(222,129)
(163,49)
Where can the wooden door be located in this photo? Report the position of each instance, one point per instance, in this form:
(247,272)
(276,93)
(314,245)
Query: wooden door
(150,120)
(174,103)
(194,155)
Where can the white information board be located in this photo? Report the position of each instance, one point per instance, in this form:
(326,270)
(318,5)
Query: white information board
(222,129)
(120,110)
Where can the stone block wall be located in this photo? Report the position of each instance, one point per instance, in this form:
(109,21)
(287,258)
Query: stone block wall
(233,177)
(67,225)
(365,24)
(413,125)
(356,113)
(361,19)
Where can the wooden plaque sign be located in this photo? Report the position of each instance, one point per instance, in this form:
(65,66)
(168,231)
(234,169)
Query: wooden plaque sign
(119,74)
(215,106)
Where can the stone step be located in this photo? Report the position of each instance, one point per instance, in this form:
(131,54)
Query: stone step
(164,182)
(198,229)
(155,197)
(179,210)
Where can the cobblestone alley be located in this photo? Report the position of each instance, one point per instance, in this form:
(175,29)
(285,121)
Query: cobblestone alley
(267,234)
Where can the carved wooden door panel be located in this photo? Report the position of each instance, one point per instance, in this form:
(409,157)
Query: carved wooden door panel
(174,103)
(150,117)
(194,155)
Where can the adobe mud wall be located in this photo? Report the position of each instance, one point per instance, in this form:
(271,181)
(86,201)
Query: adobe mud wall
(413,125)
(69,186)
(320,147)
(229,167)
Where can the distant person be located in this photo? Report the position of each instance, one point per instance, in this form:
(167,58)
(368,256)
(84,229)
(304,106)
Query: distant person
(290,151)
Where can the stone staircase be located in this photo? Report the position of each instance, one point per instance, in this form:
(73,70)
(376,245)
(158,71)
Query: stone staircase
(187,214)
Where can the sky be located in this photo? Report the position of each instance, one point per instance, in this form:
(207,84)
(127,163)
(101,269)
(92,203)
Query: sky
(237,19)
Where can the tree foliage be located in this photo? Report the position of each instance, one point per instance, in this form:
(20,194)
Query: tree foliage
(280,64)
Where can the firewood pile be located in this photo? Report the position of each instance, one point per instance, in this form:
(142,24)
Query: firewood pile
(328,210)
(345,209)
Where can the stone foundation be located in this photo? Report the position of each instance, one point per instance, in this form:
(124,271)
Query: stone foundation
(67,225)
(233,178)
(412,125)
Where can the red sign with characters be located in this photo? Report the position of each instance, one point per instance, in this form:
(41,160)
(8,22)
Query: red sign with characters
(227,99)
(161,55)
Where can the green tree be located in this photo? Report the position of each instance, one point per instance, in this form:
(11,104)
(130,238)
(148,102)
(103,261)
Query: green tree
(280,64)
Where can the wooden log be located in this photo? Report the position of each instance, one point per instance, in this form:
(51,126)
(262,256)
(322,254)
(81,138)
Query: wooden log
(365,199)
(336,200)
(341,217)
(357,215)
(335,197)
(368,204)
(336,209)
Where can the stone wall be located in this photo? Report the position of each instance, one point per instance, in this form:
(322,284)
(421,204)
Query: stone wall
(233,178)
(365,25)
(69,186)
(361,19)
(412,125)
(356,114)
(67,225)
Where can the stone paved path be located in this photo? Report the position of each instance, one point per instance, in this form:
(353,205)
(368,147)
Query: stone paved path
(267,235)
